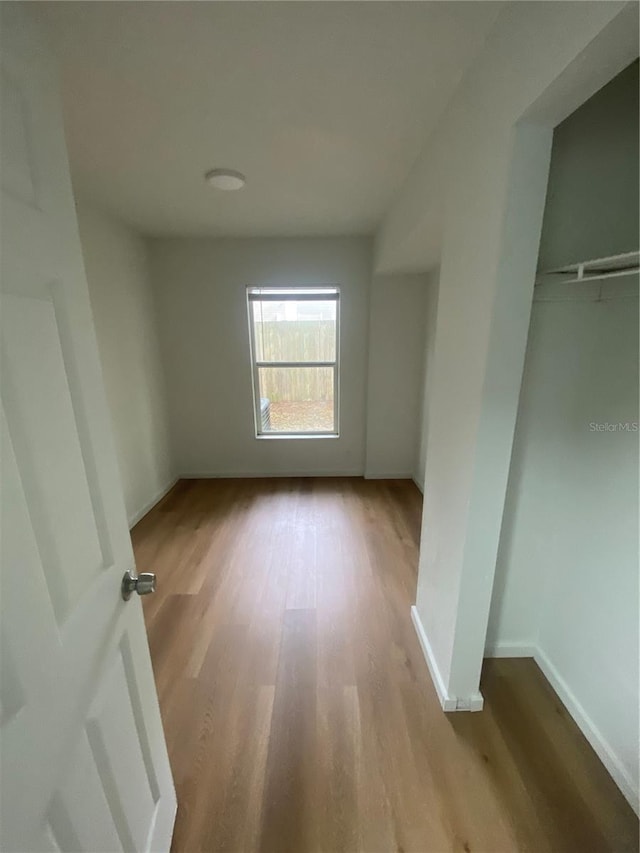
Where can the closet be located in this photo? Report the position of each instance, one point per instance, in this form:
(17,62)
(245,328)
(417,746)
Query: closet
(566,589)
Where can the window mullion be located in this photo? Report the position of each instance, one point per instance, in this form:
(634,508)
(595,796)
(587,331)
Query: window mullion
(293,365)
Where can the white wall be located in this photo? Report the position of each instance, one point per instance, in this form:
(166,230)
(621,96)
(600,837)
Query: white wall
(395,377)
(481,182)
(126,326)
(201,289)
(592,201)
(566,585)
(433,283)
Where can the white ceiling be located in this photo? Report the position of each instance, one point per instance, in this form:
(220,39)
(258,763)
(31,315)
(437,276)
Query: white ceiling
(324,106)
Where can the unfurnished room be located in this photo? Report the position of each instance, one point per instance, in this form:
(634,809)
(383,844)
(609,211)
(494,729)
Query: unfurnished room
(319,374)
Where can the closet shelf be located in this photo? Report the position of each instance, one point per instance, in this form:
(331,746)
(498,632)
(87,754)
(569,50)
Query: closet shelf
(595,270)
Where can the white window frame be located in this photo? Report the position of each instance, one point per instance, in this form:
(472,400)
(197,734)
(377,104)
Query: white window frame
(316,293)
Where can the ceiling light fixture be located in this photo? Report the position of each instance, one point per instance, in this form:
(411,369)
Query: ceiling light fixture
(225,179)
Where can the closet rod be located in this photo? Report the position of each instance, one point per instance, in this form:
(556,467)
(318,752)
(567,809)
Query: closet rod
(598,269)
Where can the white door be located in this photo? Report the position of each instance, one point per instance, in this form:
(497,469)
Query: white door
(84,763)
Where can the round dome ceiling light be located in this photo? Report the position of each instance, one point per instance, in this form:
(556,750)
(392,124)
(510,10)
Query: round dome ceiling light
(225,179)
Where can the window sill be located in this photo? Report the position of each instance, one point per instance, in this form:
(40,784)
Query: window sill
(296,435)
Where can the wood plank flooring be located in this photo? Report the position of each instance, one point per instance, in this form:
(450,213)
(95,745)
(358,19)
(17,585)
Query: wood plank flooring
(298,708)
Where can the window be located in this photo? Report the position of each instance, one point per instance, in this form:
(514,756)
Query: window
(295,336)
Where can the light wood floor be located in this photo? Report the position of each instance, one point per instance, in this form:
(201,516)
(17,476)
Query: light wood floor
(297,705)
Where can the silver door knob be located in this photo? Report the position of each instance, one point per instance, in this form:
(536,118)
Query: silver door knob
(143,584)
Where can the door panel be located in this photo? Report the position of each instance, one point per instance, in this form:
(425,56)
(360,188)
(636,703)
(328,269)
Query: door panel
(129,785)
(79,816)
(49,450)
(83,759)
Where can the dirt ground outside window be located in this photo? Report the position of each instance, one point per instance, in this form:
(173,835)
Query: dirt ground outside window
(309,416)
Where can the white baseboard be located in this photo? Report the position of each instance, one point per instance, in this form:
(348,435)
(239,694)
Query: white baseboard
(374,475)
(261,475)
(510,650)
(448,702)
(615,767)
(135,518)
(419,484)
